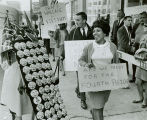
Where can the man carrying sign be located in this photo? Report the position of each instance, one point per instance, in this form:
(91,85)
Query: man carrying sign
(81,32)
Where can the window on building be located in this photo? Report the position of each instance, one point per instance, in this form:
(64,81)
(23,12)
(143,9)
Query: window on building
(89,11)
(104,2)
(132,3)
(89,4)
(104,11)
(94,3)
(144,2)
(99,3)
(109,10)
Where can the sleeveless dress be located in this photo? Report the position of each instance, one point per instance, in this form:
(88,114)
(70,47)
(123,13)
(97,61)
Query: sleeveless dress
(101,55)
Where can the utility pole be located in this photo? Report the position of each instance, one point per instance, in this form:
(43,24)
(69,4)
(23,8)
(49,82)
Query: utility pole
(122,5)
(31,11)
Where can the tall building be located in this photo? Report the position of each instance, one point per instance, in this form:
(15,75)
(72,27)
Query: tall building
(36,7)
(14,4)
(96,9)
(133,7)
(75,6)
(93,8)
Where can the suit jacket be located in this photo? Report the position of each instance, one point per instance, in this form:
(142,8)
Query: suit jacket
(76,34)
(123,40)
(114,31)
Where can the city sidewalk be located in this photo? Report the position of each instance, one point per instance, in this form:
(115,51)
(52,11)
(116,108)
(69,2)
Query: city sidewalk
(119,106)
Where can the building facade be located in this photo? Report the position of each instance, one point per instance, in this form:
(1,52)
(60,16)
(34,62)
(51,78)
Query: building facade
(134,7)
(14,4)
(93,8)
(97,9)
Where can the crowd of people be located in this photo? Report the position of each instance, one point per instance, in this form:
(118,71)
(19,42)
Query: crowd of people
(126,36)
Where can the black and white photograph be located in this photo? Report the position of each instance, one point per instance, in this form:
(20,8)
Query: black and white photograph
(73,59)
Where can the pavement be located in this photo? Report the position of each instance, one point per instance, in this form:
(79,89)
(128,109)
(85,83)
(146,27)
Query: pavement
(118,107)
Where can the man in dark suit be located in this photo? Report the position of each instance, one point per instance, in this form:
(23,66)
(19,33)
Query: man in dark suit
(124,38)
(116,25)
(81,32)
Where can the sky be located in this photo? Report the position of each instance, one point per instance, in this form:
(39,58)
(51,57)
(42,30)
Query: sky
(25,4)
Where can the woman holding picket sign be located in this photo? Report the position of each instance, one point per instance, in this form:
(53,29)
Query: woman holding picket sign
(99,52)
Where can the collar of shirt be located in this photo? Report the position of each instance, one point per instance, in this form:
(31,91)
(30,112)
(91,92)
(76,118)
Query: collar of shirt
(126,29)
(129,34)
(85,28)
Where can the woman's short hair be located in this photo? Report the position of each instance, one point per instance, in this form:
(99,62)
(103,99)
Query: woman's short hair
(103,25)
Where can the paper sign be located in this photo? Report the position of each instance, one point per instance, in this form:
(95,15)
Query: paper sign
(131,59)
(54,14)
(73,51)
(103,77)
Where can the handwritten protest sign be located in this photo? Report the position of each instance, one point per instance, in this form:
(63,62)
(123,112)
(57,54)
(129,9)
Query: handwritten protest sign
(54,14)
(104,77)
(73,50)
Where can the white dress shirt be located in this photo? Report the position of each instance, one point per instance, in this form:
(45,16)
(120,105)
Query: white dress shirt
(86,30)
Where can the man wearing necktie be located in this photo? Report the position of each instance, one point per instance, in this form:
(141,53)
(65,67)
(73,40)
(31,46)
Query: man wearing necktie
(84,34)
(81,32)
(124,38)
(116,25)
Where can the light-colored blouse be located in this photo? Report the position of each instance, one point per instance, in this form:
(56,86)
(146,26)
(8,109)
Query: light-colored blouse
(102,54)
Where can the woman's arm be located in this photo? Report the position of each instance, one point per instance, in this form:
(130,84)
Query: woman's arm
(83,60)
(115,54)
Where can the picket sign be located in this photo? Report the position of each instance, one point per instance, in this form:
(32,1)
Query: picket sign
(131,59)
(98,79)
(73,51)
(104,77)
(55,14)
